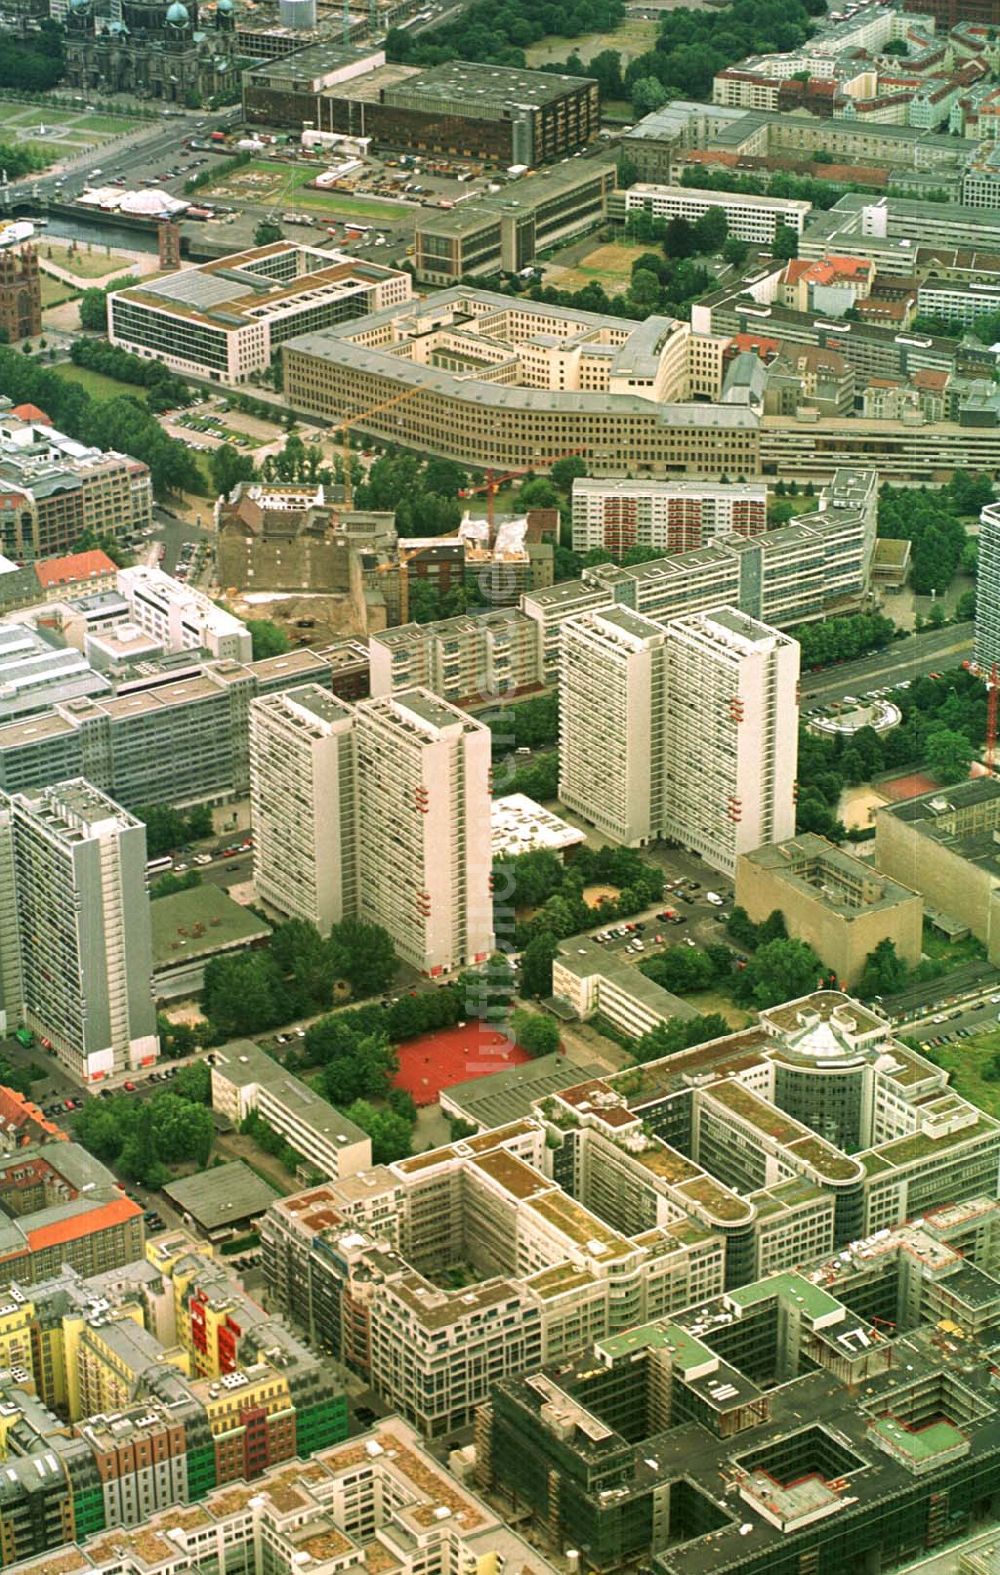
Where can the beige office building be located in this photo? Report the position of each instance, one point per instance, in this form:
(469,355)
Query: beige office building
(732,736)
(612,722)
(836,903)
(424,814)
(517,384)
(303,796)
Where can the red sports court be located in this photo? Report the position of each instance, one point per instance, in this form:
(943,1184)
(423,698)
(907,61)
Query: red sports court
(454,1055)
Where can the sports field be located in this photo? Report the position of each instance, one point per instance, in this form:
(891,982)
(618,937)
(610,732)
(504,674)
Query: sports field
(455,1055)
(908,786)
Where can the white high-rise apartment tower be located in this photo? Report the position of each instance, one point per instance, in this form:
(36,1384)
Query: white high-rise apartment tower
(686,729)
(732,734)
(611,722)
(304,804)
(424,828)
(987,646)
(85,957)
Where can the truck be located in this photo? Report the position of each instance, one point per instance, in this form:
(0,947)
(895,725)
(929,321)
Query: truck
(24,1037)
(217,137)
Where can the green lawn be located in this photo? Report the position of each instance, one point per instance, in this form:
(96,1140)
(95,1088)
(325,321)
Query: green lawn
(85,263)
(96,384)
(343,205)
(110,124)
(55,291)
(635,37)
(965,1062)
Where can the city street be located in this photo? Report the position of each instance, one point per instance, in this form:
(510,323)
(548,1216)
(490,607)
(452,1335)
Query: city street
(908,658)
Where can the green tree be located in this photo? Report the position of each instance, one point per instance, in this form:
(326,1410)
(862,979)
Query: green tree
(781,971)
(389,1132)
(489,991)
(644,288)
(565,471)
(735,252)
(538,493)
(227,466)
(785,243)
(364,955)
(537,1034)
(648,93)
(365,1073)
(194,1082)
(267,232)
(679,238)
(536,965)
(244,993)
(949,754)
(711,231)
(885,972)
(267,638)
(680,1033)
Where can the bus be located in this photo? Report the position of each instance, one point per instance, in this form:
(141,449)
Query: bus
(157,866)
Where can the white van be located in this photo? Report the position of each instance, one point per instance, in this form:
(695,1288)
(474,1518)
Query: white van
(714,898)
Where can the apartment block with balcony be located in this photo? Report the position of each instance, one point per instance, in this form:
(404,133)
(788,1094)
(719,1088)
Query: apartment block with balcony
(424,811)
(84,937)
(304,805)
(732,735)
(612,708)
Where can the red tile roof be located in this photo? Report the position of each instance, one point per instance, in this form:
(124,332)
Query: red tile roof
(74,568)
(119,1212)
(31,413)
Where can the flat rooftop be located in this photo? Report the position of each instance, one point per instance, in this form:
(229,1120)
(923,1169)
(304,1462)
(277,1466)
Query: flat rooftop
(467,86)
(837,881)
(197,922)
(224,1195)
(510,1094)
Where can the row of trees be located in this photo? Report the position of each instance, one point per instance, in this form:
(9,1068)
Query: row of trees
(168,828)
(124,423)
(841,639)
(34,63)
(164,389)
(687,282)
(295,975)
(781,183)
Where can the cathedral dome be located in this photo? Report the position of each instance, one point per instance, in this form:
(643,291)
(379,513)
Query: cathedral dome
(177,15)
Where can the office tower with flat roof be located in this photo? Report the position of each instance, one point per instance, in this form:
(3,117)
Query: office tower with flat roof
(732,735)
(612,721)
(303,797)
(424,813)
(79,886)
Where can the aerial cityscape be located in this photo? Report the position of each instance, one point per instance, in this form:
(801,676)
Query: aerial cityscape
(499,787)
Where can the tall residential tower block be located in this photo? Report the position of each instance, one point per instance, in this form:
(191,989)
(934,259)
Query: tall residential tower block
(75,928)
(686,728)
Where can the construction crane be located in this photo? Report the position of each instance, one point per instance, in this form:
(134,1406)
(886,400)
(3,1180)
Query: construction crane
(992,697)
(493,483)
(348,422)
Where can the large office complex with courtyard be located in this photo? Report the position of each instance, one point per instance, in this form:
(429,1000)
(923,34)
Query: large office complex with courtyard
(488,380)
(224,320)
(624,1199)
